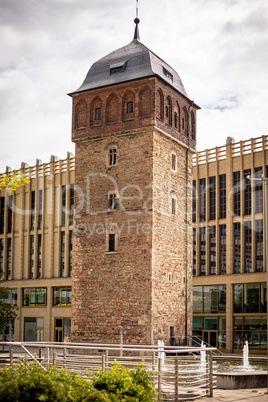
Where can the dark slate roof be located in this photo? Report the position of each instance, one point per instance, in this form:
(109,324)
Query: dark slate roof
(129,63)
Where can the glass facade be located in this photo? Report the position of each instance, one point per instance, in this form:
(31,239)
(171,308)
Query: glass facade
(194,201)
(209,309)
(202,200)
(212,245)
(259,245)
(202,251)
(223,196)
(237,194)
(222,249)
(237,248)
(212,198)
(258,191)
(250,319)
(248,248)
(247,195)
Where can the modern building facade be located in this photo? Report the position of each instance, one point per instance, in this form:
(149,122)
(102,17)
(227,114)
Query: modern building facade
(229,273)
(36,232)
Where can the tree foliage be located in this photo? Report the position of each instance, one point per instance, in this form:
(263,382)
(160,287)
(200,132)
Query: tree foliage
(7,309)
(11,182)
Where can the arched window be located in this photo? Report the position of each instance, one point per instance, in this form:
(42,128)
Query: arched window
(192,125)
(96,112)
(128,106)
(145,102)
(169,110)
(173,161)
(184,121)
(175,120)
(81,114)
(112,109)
(160,105)
(178,117)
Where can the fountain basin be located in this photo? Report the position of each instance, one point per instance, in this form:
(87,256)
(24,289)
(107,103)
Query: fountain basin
(238,380)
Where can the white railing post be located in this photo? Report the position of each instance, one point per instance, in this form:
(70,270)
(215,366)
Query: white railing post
(159,377)
(176,379)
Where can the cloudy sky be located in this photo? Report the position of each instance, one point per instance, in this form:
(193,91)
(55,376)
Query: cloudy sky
(218,47)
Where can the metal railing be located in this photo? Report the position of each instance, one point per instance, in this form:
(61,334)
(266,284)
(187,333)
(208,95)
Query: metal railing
(179,373)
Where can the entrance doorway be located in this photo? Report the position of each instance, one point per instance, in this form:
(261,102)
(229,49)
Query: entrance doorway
(211,338)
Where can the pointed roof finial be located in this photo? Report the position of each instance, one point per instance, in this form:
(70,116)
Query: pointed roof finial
(137,20)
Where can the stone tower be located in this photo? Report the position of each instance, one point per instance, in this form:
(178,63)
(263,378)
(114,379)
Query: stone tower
(134,127)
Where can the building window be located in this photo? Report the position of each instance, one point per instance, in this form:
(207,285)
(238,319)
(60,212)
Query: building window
(258,191)
(212,244)
(194,201)
(62,256)
(193,126)
(112,156)
(35,296)
(237,195)
(259,245)
(212,198)
(250,323)
(130,107)
(39,261)
(12,297)
(1,257)
(97,114)
(2,214)
(40,209)
(209,299)
(248,248)
(70,253)
(250,298)
(237,248)
(222,249)
(202,200)
(173,162)
(202,251)
(111,245)
(247,192)
(9,218)
(71,205)
(173,205)
(113,201)
(194,251)
(62,296)
(32,209)
(63,205)
(175,120)
(8,259)
(31,257)
(223,196)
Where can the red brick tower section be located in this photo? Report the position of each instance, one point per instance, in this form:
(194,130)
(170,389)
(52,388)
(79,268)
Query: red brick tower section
(129,252)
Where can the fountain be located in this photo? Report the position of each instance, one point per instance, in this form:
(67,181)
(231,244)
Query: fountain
(245,377)
(203,356)
(246,365)
(161,353)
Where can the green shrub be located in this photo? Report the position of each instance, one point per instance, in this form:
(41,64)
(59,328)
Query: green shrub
(23,383)
(123,384)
